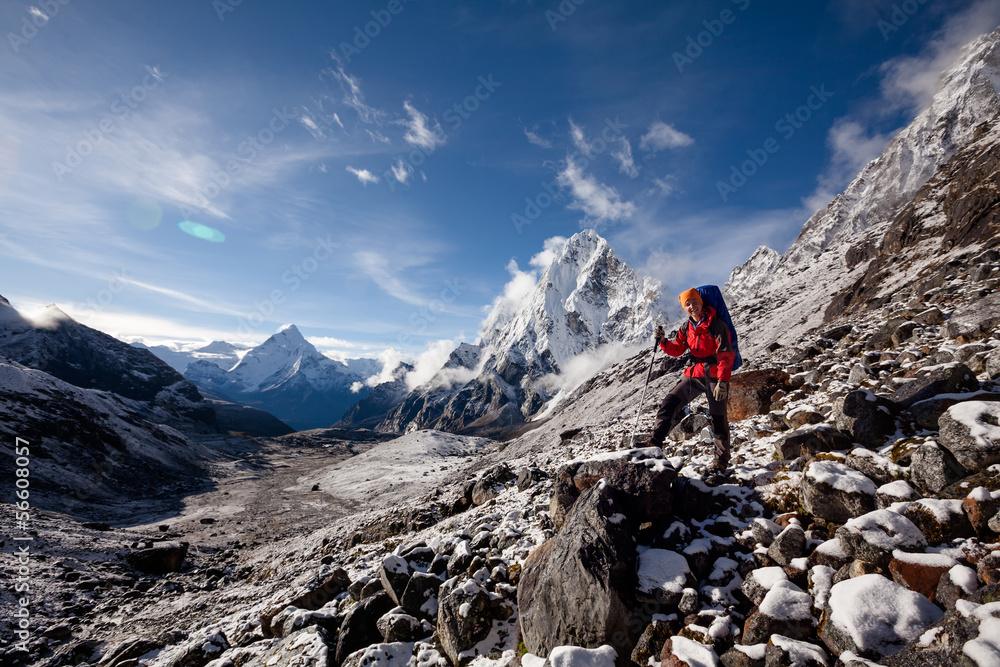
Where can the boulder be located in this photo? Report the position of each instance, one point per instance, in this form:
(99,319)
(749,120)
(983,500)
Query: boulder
(650,644)
(466,618)
(663,576)
(894,492)
(161,558)
(830,554)
(761,580)
(785,610)
(929,316)
(578,588)
(420,597)
(683,652)
(360,625)
(939,520)
(811,440)
(744,656)
(390,653)
(876,468)
(958,583)
(313,597)
(955,639)
(642,476)
(874,617)
(867,418)
(927,413)
(750,392)
(971,432)
(836,493)
(202,647)
(920,573)
(395,574)
(873,537)
(993,364)
(492,483)
(788,545)
(954,378)
(785,651)
(803,415)
(980,506)
(529,476)
(309,646)
(398,626)
(690,426)
(976,320)
(933,467)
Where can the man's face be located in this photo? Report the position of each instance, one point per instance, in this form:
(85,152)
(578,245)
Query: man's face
(693,308)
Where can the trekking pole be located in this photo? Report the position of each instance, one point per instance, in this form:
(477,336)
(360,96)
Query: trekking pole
(638,410)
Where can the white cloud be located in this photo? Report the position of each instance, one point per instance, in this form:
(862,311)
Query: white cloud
(579,139)
(661,136)
(621,151)
(664,187)
(390,359)
(402,171)
(521,283)
(38,13)
(355,98)
(418,134)
(363,175)
(909,82)
(430,362)
(581,368)
(550,248)
(599,203)
(377,267)
(537,140)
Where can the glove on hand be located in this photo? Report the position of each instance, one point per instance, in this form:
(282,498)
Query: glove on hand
(721,391)
(659,334)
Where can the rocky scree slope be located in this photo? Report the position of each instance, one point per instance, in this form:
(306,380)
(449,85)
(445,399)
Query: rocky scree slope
(860,524)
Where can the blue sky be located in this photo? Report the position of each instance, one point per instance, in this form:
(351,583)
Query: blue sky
(200,170)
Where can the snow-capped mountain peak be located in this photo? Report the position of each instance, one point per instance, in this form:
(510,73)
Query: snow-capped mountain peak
(586,297)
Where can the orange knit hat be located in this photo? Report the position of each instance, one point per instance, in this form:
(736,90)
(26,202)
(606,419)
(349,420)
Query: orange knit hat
(689,295)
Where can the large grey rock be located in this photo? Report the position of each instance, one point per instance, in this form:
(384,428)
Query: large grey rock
(933,467)
(876,468)
(420,596)
(971,431)
(834,492)
(787,652)
(578,588)
(946,640)
(360,625)
(976,320)
(993,364)
(873,537)
(689,427)
(788,545)
(759,581)
(874,617)
(161,558)
(309,646)
(810,440)
(952,378)
(866,417)
(466,617)
(926,414)
(492,483)
(395,574)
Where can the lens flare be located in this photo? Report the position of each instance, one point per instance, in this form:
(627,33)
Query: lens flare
(145,214)
(200,231)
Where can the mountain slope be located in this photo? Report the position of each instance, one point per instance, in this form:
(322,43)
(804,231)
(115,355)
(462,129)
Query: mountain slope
(286,376)
(90,359)
(835,244)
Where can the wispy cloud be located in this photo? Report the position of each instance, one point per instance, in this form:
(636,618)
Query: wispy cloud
(419,133)
(387,275)
(401,171)
(533,138)
(363,175)
(354,98)
(662,136)
(621,151)
(600,203)
(579,138)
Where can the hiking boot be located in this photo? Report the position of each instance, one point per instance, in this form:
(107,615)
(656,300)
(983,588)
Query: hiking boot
(716,475)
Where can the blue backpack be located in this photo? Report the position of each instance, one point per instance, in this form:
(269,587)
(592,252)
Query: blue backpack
(711,295)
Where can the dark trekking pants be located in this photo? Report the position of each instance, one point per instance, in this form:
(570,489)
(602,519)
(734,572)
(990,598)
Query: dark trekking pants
(672,409)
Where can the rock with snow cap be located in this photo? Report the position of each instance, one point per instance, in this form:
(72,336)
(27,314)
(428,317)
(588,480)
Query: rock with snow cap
(663,576)
(398,626)
(744,656)
(920,572)
(761,580)
(873,537)
(834,492)
(971,431)
(980,506)
(939,520)
(788,545)
(643,476)
(894,492)
(958,583)
(200,648)
(976,320)
(874,617)
(954,378)
(867,418)
(492,483)
(420,596)
(830,554)
(395,574)
(309,646)
(389,653)
(786,610)
(787,652)
(683,652)
(963,637)
(875,467)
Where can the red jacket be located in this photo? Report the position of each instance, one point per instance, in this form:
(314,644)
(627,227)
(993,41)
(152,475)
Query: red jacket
(709,339)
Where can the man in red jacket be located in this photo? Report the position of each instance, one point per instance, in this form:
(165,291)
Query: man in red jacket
(706,337)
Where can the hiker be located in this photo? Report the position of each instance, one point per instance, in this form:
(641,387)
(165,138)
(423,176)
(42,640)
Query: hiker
(707,338)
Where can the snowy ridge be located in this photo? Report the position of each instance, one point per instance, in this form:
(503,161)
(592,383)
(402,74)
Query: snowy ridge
(815,266)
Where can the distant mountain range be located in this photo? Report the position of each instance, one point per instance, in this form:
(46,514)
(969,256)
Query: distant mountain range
(287,376)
